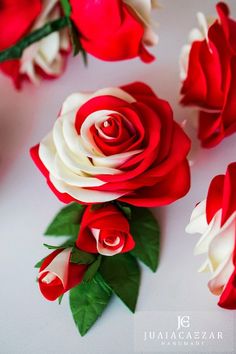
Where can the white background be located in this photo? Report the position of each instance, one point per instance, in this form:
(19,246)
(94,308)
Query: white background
(30,324)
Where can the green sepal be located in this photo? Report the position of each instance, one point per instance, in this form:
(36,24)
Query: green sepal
(64,245)
(65,4)
(146,233)
(87,302)
(66,222)
(39,263)
(122,274)
(60,299)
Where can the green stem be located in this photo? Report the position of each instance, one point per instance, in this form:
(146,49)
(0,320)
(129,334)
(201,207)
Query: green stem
(16,51)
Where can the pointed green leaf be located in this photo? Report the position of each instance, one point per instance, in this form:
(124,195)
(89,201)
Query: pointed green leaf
(66,244)
(87,302)
(92,270)
(122,274)
(39,263)
(81,257)
(66,222)
(146,233)
(60,299)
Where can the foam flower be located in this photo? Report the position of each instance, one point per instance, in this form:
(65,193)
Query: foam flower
(57,275)
(45,58)
(115,29)
(116,143)
(215,219)
(208,72)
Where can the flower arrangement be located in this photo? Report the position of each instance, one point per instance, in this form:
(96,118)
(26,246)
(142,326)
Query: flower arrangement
(110,154)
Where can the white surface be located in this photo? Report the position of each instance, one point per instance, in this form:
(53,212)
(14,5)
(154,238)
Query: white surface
(30,324)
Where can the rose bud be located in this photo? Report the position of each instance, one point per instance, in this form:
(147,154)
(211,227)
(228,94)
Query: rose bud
(208,74)
(57,275)
(115,29)
(116,143)
(45,58)
(105,230)
(215,219)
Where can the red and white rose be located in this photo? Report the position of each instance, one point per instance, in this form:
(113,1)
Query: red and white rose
(116,143)
(105,230)
(215,219)
(115,29)
(208,72)
(45,58)
(58,275)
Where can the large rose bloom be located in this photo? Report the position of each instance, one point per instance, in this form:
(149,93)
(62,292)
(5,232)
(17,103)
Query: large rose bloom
(215,219)
(116,143)
(45,58)
(208,71)
(115,29)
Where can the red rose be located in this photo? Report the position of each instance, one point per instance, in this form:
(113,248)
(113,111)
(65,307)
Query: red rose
(117,143)
(215,219)
(210,76)
(57,275)
(114,29)
(105,231)
(45,58)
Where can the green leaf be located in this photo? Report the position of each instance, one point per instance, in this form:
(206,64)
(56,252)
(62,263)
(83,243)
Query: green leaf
(87,302)
(81,257)
(16,51)
(66,222)
(39,263)
(64,245)
(65,4)
(146,233)
(60,299)
(92,270)
(122,274)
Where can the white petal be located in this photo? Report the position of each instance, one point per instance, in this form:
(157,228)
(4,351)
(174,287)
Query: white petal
(142,8)
(59,266)
(73,102)
(150,38)
(184,60)
(76,100)
(84,195)
(76,163)
(222,244)
(103,250)
(221,276)
(61,172)
(198,222)
(47,7)
(114,161)
(202,21)
(49,47)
